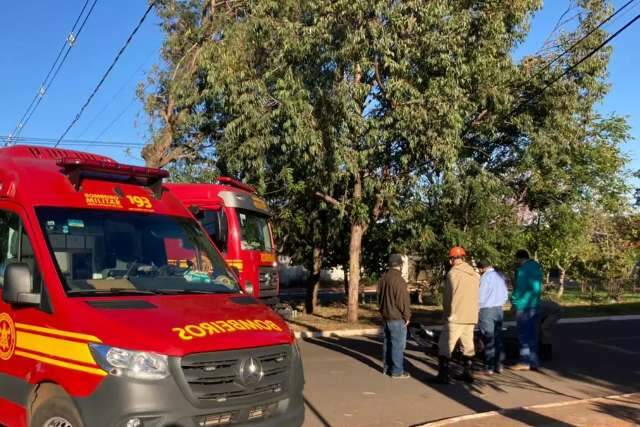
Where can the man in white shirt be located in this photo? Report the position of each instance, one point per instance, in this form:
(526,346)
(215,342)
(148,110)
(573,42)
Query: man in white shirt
(493,296)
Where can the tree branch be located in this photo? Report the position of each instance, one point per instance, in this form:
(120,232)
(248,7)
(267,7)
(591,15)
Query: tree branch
(377,207)
(328,199)
(381,85)
(480,117)
(179,64)
(379,79)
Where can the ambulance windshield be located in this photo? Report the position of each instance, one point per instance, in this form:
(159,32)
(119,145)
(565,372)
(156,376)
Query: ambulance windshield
(110,252)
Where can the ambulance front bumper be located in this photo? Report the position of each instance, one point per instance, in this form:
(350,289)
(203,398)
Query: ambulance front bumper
(124,402)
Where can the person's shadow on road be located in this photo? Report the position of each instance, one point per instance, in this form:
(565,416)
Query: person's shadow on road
(369,353)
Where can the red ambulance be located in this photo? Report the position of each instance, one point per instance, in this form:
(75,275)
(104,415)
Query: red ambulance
(237,220)
(100,326)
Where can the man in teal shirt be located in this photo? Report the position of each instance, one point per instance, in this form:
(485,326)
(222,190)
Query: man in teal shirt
(525,300)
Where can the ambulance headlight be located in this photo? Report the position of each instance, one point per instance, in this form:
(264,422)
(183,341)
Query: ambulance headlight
(140,365)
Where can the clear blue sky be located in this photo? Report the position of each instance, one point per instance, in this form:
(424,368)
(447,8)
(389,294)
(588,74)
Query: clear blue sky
(33,32)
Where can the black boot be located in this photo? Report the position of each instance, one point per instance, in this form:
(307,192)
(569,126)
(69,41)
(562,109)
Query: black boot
(545,352)
(443,371)
(467,376)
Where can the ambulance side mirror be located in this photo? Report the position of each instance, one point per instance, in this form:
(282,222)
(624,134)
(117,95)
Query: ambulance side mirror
(18,285)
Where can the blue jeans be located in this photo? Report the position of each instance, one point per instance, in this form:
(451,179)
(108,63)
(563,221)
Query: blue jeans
(527,324)
(395,341)
(490,323)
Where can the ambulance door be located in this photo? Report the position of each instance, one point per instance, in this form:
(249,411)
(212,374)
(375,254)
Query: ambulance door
(16,248)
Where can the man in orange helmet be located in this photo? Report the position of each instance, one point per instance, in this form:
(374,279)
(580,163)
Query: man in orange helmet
(460,306)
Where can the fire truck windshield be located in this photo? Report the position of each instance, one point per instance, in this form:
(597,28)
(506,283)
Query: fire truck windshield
(112,252)
(254,231)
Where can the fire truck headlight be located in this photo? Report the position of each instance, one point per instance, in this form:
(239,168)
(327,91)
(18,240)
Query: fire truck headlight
(140,365)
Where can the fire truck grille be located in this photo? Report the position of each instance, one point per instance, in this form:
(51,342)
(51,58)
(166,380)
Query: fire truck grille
(217,378)
(268,278)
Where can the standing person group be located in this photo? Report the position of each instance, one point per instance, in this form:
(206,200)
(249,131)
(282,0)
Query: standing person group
(469,299)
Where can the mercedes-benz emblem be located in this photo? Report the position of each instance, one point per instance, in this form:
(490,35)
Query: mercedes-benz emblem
(251,372)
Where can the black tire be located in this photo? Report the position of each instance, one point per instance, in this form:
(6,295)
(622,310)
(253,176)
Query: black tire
(54,408)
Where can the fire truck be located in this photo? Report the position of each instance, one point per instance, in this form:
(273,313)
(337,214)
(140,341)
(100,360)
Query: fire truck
(118,310)
(237,221)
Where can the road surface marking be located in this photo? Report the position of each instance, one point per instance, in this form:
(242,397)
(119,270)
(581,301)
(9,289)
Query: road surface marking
(608,347)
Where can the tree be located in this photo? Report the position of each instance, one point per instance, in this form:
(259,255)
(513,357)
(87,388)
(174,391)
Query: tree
(404,120)
(360,95)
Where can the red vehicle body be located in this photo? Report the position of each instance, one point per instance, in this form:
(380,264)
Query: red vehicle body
(100,327)
(237,220)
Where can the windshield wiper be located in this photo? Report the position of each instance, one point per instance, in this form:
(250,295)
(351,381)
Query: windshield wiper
(112,291)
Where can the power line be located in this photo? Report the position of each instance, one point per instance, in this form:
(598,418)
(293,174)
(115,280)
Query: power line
(115,119)
(583,38)
(574,66)
(57,65)
(55,74)
(50,141)
(106,74)
(116,95)
(40,92)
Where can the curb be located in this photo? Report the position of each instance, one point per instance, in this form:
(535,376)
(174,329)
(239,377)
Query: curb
(378,331)
(470,417)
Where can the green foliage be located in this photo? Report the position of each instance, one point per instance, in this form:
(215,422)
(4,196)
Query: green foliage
(189,171)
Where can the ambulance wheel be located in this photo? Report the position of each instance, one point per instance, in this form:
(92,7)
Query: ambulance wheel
(53,408)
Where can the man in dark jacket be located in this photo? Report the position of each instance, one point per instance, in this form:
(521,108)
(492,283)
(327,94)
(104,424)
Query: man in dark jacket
(395,308)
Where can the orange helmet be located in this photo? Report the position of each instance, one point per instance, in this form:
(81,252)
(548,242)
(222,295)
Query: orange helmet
(456,252)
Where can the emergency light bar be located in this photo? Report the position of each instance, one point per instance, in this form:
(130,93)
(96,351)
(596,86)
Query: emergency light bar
(235,183)
(79,169)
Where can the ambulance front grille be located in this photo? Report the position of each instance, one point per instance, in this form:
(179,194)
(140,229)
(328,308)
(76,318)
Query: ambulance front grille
(215,377)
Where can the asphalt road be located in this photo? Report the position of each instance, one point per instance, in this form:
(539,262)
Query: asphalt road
(345,386)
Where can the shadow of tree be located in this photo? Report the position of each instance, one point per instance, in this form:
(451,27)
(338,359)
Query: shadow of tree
(623,410)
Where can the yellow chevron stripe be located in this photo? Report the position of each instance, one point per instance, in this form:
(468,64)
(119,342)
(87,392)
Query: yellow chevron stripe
(87,369)
(57,332)
(75,351)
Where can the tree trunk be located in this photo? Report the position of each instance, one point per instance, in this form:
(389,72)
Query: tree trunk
(561,281)
(355,250)
(311,301)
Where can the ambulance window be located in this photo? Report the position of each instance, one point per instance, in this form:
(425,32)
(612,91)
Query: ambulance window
(215,224)
(16,247)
